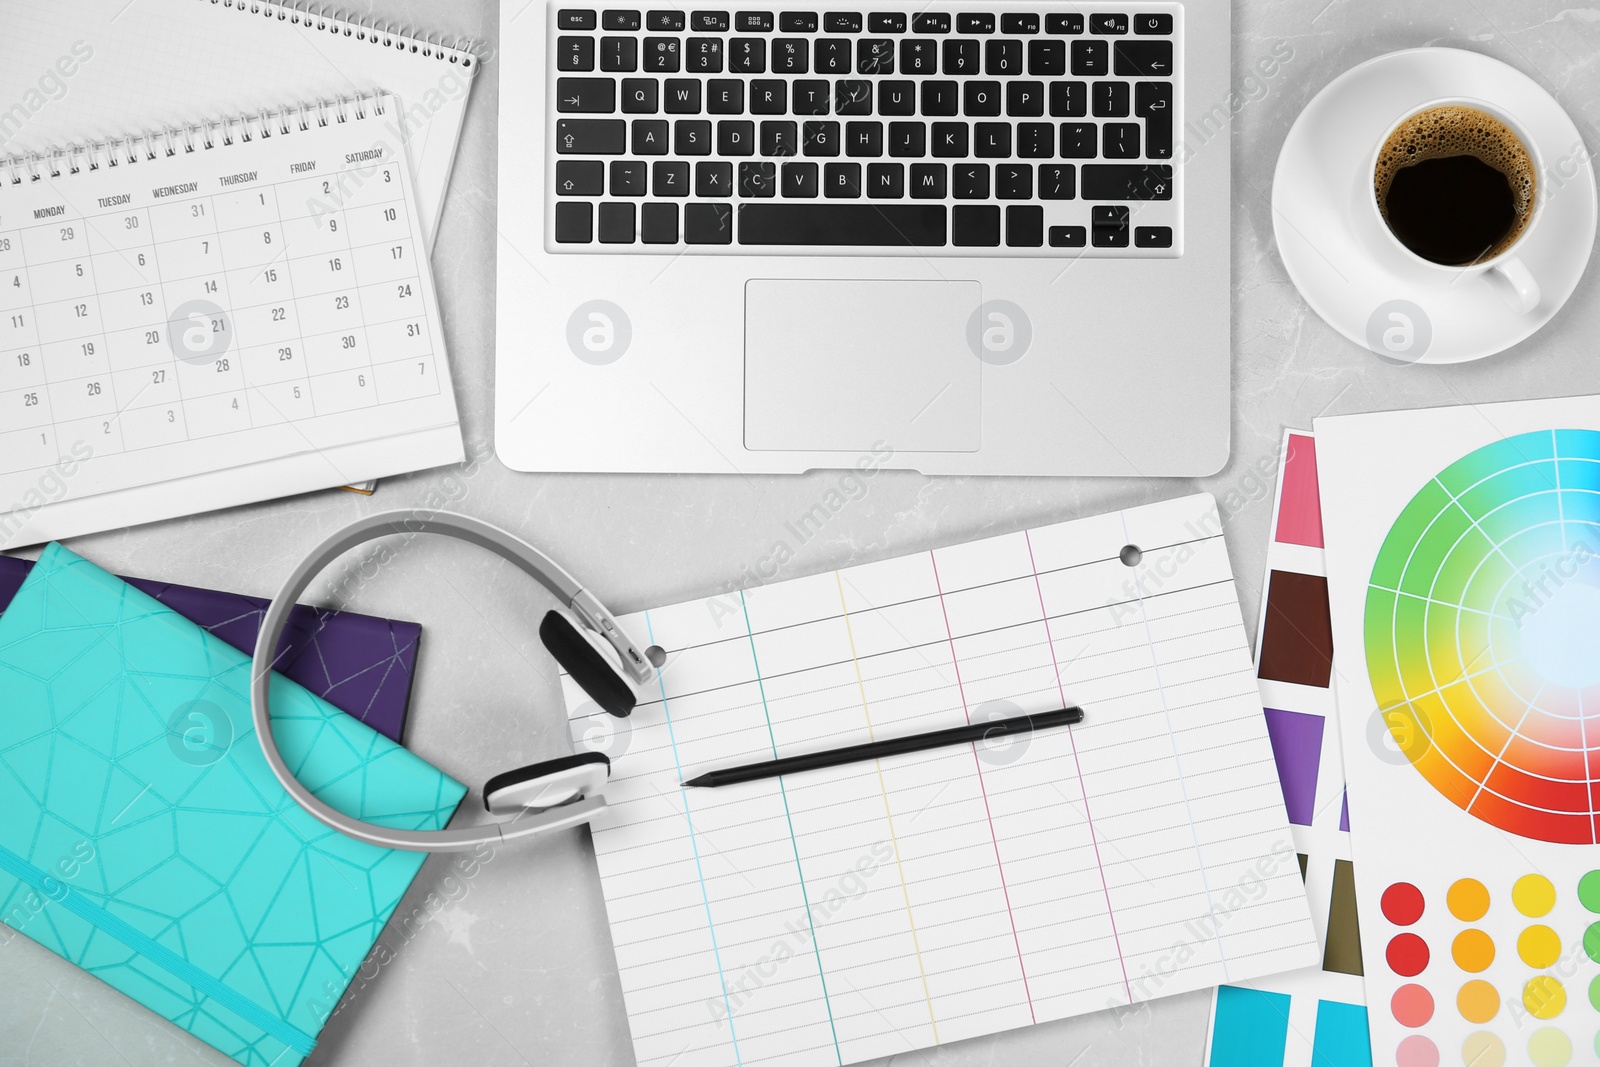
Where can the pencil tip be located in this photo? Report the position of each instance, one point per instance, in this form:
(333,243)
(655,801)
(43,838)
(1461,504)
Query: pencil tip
(694,781)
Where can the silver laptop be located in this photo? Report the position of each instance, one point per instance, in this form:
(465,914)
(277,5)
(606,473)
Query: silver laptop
(965,238)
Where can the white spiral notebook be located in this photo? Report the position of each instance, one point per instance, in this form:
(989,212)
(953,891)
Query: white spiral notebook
(861,911)
(212,314)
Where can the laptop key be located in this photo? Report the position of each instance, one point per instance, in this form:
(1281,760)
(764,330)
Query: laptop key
(928,181)
(747,55)
(1109,227)
(619,54)
(640,96)
(574,222)
(708,224)
(1023,23)
(629,177)
(658,224)
(1152,24)
(1013,181)
(713,179)
(769,96)
(1047,59)
(708,21)
(593,95)
(800,180)
(822,224)
(620,20)
(1143,59)
(798,22)
(1152,236)
(991,140)
(1024,225)
(591,137)
(669,178)
(575,53)
(1089,59)
(1113,24)
(1127,181)
(971,181)
(831,55)
(886,181)
(665,21)
(580,177)
(1110,99)
(753,22)
(975,23)
(1058,181)
(779,139)
(1036,140)
(683,96)
(662,55)
(1002,57)
(616,224)
(650,137)
(1068,236)
(1069,100)
(841,180)
(1071,23)
(975,226)
(940,98)
(961,57)
(1078,140)
(897,98)
(704,55)
(1121,140)
(691,137)
(572,19)
(758,180)
(841,22)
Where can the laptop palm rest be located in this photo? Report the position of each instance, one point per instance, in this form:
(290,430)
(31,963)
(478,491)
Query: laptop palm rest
(846,365)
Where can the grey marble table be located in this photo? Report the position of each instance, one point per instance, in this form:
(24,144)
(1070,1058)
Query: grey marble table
(515,967)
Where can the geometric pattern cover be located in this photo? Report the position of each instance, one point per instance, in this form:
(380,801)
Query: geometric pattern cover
(144,838)
(358,663)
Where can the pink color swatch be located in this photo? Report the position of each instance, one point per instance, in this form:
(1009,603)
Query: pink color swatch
(1300,506)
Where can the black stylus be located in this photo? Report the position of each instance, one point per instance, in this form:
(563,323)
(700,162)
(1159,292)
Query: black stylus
(894,746)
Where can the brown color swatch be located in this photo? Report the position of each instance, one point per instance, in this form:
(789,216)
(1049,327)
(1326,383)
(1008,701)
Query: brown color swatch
(1297,635)
(1343,953)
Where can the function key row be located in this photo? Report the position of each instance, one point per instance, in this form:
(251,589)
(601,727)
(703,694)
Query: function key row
(1017,23)
(865,55)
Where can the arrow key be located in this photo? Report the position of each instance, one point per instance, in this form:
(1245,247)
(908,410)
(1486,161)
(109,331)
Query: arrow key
(580,177)
(586,95)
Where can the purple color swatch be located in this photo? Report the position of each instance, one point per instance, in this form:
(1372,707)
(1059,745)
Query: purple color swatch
(1297,750)
(361,665)
(1344,814)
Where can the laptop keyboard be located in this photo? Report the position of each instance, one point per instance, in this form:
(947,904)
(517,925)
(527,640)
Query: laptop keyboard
(1011,132)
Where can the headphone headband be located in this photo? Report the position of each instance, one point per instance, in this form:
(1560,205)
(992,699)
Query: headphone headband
(531,561)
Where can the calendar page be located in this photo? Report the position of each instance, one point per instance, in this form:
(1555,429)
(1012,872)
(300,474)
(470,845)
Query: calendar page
(247,314)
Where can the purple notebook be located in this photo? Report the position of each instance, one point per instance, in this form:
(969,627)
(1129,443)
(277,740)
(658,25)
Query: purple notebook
(359,664)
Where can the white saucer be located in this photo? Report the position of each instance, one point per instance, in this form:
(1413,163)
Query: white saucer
(1324,160)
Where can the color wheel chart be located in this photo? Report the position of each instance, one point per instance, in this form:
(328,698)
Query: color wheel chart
(1465,595)
(1483,634)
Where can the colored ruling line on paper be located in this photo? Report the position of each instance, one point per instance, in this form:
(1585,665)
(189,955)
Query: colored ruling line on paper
(834,915)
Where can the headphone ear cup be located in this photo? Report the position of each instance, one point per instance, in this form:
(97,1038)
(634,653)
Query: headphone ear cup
(547,785)
(593,672)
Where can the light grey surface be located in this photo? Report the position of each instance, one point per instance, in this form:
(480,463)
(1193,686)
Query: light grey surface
(516,968)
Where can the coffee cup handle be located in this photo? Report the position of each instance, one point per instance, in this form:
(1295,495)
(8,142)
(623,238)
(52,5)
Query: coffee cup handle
(1516,284)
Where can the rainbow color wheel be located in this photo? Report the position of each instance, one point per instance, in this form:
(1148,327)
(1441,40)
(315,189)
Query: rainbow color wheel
(1482,633)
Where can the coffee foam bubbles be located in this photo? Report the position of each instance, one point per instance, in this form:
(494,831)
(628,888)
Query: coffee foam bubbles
(1457,130)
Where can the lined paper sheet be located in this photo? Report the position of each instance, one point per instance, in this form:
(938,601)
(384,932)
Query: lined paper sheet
(856,912)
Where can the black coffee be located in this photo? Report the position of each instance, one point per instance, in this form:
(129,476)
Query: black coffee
(1455,185)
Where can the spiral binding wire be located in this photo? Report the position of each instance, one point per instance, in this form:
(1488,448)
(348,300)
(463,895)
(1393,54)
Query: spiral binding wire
(195,137)
(464,51)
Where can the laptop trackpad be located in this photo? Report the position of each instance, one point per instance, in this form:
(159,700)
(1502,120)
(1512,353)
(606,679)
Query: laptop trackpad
(845,365)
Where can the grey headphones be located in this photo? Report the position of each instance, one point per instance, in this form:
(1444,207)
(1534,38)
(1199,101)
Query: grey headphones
(585,639)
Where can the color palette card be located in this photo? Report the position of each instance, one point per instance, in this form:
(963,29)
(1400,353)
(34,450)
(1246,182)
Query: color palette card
(861,911)
(1314,1017)
(1466,620)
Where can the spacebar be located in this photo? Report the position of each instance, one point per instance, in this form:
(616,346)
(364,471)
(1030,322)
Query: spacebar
(913,225)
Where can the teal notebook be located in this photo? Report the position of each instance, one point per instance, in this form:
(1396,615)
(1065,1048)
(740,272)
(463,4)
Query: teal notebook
(143,837)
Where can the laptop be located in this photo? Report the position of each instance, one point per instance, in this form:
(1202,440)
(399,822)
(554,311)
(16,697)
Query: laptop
(958,238)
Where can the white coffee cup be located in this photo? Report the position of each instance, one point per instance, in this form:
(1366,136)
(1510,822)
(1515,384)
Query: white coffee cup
(1505,272)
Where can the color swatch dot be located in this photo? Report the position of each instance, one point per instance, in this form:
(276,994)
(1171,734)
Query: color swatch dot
(1402,903)
(1412,1005)
(1467,900)
(1594,999)
(1473,950)
(1416,1051)
(1539,946)
(1544,997)
(1478,1001)
(1533,895)
(1407,955)
(1483,1049)
(1549,1047)
(1589,891)
(1591,942)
